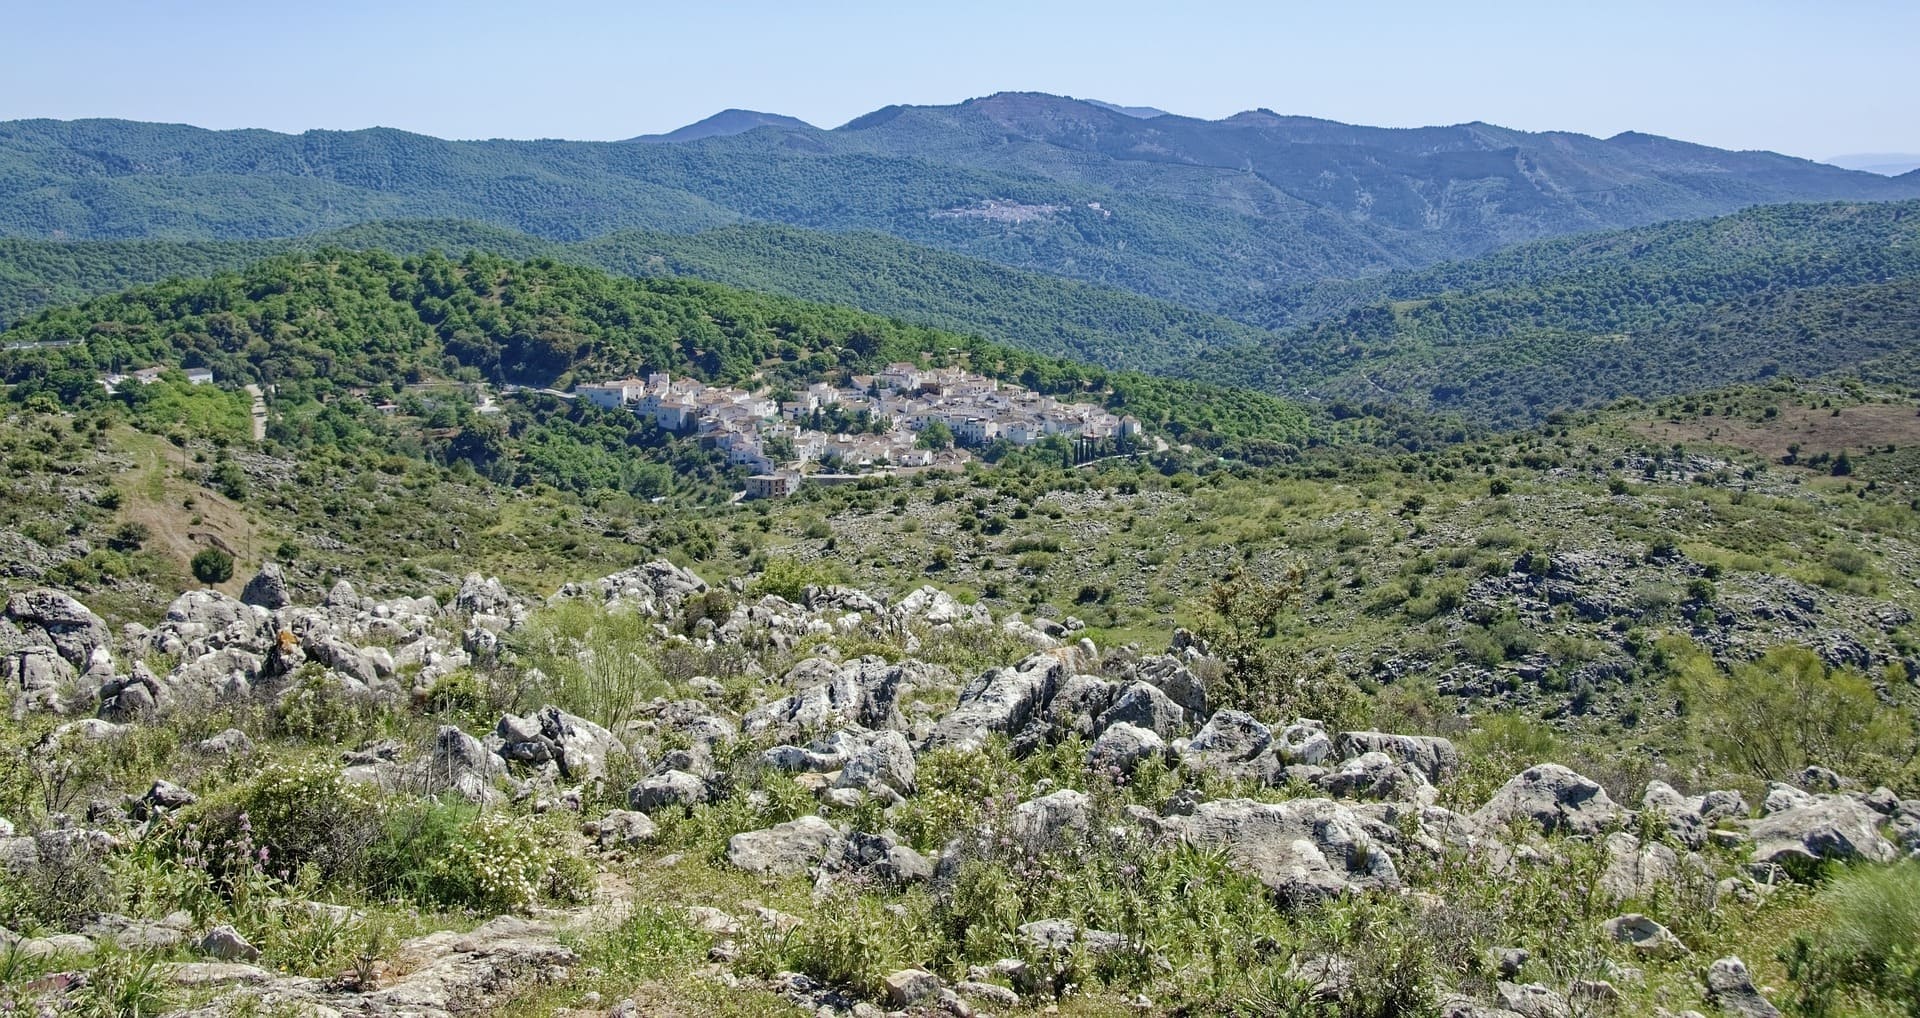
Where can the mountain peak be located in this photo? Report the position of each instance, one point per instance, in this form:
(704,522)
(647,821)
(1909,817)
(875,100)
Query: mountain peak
(725,123)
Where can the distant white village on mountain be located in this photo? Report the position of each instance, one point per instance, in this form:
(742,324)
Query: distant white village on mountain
(882,421)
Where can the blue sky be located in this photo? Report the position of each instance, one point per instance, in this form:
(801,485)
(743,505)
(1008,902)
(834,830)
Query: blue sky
(1810,79)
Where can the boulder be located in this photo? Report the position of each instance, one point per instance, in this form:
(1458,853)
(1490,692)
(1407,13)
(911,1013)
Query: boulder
(268,588)
(620,828)
(1636,870)
(1730,988)
(225,943)
(1303,849)
(876,761)
(1122,747)
(1234,745)
(1046,822)
(1171,674)
(1555,798)
(1827,827)
(1003,701)
(1435,757)
(199,621)
(1144,706)
(1076,708)
(911,986)
(579,749)
(460,763)
(230,742)
(881,857)
(57,620)
(1532,1000)
(786,849)
(1375,775)
(1647,938)
(41,680)
(668,788)
(1304,742)
(936,607)
(863,693)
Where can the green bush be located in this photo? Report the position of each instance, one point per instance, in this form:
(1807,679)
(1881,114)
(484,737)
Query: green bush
(299,815)
(1770,718)
(1867,950)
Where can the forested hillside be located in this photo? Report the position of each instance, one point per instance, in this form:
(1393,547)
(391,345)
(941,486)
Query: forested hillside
(313,325)
(1209,213)
(872,271)
(1796,290)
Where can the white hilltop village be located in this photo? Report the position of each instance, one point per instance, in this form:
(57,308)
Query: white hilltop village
(786,443)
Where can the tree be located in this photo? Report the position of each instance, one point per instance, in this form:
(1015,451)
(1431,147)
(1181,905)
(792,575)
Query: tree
(936,435)
(212,566)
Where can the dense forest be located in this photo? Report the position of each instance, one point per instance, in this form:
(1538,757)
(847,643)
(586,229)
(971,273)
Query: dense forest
(1210,214)
(320,329)
(1503,340)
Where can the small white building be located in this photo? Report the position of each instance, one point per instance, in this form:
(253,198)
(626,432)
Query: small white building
(612,395)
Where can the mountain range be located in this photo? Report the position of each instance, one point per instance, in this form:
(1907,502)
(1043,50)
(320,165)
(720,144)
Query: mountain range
(1208,213)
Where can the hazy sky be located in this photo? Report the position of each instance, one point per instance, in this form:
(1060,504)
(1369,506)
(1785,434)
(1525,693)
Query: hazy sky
(1814,78)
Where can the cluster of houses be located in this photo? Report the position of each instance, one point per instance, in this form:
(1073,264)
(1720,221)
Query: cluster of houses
(148,376)
(778,440)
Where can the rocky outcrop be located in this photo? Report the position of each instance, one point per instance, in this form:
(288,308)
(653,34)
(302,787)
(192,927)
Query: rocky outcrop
(1554,798)
(1003,701)
(1836,827)
(1434,757)
(667,789)
(1232,744)
(786,849)
(572,747)
(53,619)
(1303,849)
(865,693)
(268,588)
(1647,938)
(1122,747)
(1730,988)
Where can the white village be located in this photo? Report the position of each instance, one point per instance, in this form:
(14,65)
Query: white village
(877,423)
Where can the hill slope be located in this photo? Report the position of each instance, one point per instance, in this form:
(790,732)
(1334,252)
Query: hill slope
(1801,290)
(1206,212)
(873,271)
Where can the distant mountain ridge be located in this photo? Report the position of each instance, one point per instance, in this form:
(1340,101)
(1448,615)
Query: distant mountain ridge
(727,123)
(1890,164)
(1212,214)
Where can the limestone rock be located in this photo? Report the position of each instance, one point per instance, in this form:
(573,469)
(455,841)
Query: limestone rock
(668,788)
(1046,821)
(268,588)
(786,849)
(1647,938)
(1004,701)
(55,619)
(1143,705)
(226,943)
(911,986)
(1233,744)
(1123,746)
(1555,798)
(1827,827)
(1435,757)
(1730,987)
(1304,849)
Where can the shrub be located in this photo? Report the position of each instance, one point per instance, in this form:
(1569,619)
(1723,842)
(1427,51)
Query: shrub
(1770,718)
(68,882)
(1868,946)
(299,815)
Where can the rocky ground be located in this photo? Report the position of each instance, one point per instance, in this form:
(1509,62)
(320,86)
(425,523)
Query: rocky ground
(845,751)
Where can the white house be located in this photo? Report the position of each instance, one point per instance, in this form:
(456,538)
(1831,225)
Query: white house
(612,395)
